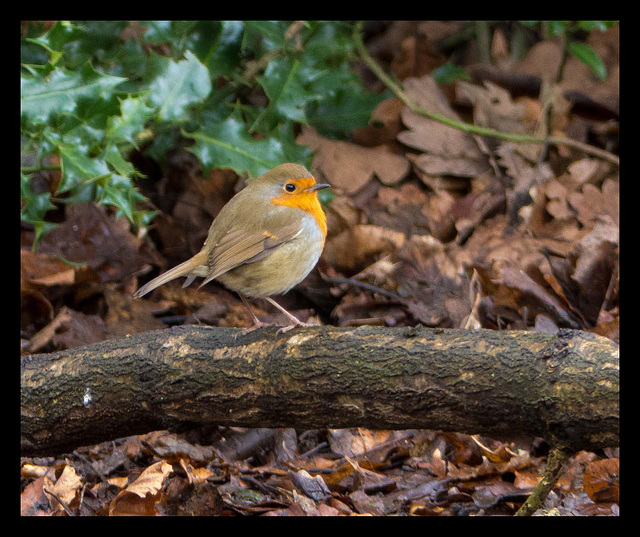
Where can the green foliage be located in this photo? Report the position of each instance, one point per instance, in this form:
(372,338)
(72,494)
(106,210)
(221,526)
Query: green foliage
(234,90)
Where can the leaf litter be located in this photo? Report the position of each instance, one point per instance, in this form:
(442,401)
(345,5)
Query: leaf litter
(427,224)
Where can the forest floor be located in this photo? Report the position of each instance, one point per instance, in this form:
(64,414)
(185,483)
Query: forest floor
(427,225)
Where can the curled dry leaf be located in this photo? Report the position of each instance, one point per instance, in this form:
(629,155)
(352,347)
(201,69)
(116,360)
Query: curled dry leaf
(140,497)
(493,106)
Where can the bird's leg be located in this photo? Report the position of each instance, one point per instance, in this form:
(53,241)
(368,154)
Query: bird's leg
(294,320)
(257,323)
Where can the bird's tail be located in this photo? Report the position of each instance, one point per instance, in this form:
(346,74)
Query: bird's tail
(183,269)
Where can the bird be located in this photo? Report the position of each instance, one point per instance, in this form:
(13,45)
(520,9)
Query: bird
(263,242)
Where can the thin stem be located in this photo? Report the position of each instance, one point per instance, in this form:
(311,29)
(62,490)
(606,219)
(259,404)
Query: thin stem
(483,37)
(468,127)
(34,169)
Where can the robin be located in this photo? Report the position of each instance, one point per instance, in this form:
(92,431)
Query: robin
(263,242)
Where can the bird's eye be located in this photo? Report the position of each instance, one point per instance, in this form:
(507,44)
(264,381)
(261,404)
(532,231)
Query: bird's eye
(289,187)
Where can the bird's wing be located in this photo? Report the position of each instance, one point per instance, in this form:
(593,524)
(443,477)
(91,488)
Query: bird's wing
(239,247)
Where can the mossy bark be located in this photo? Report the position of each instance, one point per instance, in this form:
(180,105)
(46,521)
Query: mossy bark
(563,386)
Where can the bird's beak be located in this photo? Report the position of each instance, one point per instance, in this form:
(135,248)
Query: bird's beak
(317,186)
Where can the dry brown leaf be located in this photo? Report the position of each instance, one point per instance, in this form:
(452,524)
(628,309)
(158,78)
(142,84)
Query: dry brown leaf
(69,329)
(493,106)
(416,57)
(312,486)
(91,236)
(141,496)
(348,166)
(126,315)
(602,480)
(65,488)
(343,214)
(33,500)
(594,203)
(42,269)
(354,249)
(524,292)
(172,447)
(444,150)
(543,59)
(354,442)
(384,124)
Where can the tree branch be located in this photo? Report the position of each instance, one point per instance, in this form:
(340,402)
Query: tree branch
(563,386)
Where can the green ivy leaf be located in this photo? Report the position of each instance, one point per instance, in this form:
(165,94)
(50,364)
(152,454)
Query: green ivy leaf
(284,84)
(77,166)
(134,113)
(595,25)
(587,55)
(116,160)
(345,104)
(54,40)
(61,91)
(229,145)
(557,27)
(222,55)
(173,87)
(90,90)
(263,36)
(119,192)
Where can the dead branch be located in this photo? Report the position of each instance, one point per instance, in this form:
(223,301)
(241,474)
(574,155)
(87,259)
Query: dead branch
(563,386)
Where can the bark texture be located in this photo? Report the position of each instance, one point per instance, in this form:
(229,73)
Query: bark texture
(563,386)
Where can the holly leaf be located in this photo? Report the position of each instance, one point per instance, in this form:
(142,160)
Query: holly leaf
(34,207)
(118,191)
(61,91)
(77,166)
(134,112)
(345,105)
(284,84)
(174,86)
(229,145)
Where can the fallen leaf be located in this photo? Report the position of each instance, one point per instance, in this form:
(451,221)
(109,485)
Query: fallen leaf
(443,149)
(90,236)
(349,167)
(355,248)
(33,500)
(602,480)
(312,486)
(141,496)
(65,489)
(384,124)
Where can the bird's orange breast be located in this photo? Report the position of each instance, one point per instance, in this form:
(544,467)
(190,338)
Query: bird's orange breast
(304,200)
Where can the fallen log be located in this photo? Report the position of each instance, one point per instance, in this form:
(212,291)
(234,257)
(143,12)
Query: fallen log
(563,386)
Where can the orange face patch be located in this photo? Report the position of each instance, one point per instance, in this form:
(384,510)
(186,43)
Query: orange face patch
(302,199)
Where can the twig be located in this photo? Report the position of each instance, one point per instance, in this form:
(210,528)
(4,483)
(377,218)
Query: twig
(468,127)
(555,465)
(62,503)
(364,285)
